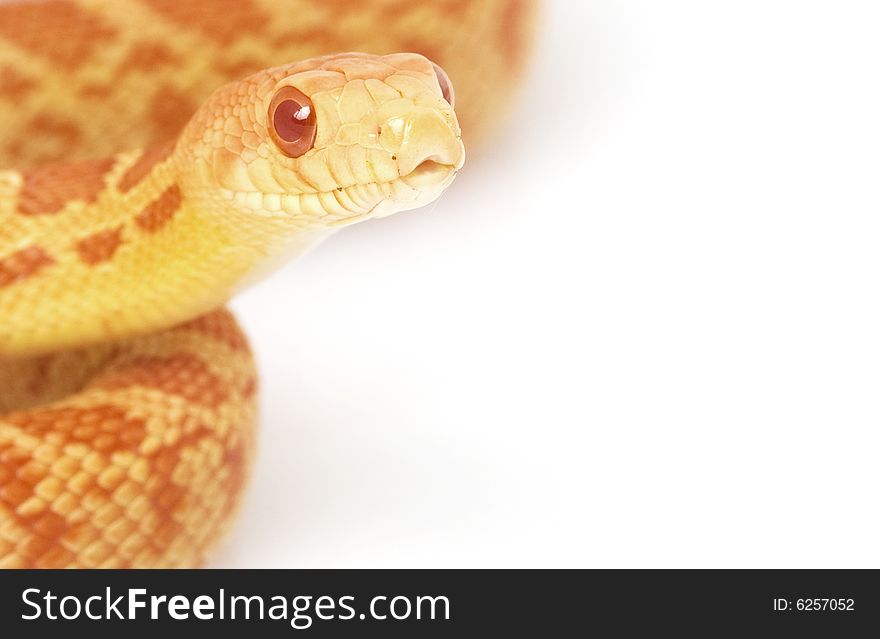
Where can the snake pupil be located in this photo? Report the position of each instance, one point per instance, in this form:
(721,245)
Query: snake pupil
(292,120)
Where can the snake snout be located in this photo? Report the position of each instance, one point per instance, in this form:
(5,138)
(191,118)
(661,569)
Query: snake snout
(431,139)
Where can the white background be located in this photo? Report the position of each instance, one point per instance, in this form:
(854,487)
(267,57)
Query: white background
(641,329)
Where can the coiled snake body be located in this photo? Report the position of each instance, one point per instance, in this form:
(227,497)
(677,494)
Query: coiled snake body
(127,401)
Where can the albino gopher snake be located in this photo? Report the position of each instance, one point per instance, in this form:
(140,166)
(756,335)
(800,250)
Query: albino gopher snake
(127,401)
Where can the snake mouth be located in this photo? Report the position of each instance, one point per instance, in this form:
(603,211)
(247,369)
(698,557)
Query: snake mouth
(355,202)
(428,173)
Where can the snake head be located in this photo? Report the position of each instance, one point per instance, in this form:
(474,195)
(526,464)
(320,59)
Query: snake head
(328,141)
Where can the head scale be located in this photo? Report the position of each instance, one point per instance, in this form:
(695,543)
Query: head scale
(327,141)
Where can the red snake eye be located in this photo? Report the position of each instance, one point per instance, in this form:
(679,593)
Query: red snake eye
(292,122)
(445,85)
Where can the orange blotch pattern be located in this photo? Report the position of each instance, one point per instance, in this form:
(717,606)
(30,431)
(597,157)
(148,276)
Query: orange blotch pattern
(183,374)
(143,57)
(47,189)
(169,111)
(60,132)
(143,165)
(23,264)
(218,326)
(99,247)
(97,493)
(147,56)
(13,85)
(128,479)
(225,26)
(26,23)
(38,497)
(107,428)
(239,68)
(160,211)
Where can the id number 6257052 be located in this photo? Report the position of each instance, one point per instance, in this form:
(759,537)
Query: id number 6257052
(815,604)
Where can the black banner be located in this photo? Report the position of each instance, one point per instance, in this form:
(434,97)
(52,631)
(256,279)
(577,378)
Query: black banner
(430,603)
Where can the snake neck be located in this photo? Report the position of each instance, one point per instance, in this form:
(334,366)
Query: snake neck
(105,249)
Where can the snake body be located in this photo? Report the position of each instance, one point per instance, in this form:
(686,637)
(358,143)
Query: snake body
(127,393)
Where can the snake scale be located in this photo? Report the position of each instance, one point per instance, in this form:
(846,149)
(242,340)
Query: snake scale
(157,157)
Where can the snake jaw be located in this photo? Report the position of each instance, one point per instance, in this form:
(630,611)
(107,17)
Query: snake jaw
(344,206)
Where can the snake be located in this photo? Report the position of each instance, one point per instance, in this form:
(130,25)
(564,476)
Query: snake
(156,158)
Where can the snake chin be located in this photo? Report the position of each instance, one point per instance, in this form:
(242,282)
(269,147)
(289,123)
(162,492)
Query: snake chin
(425,184)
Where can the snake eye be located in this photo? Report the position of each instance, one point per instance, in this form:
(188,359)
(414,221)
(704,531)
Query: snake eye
(445,85)
(292,121)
